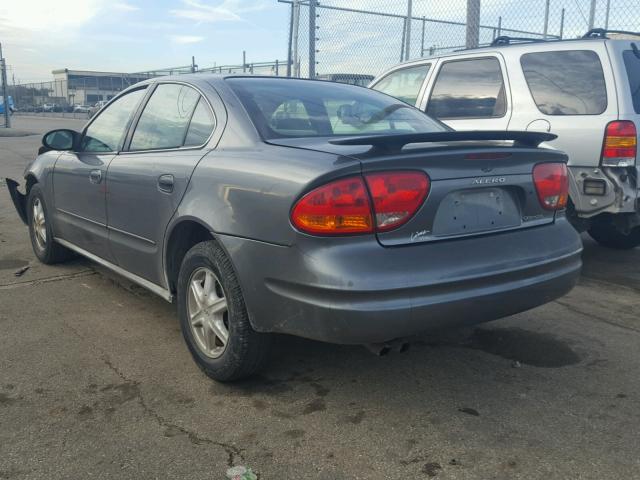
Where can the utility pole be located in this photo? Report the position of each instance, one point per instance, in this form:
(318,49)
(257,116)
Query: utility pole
(407,43)
(473,24)
(5,96)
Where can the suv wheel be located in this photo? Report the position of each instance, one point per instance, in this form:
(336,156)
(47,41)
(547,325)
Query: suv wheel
(41,232)
(213,316)
(610,236)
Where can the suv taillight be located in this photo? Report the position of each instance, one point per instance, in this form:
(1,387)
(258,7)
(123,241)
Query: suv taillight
(378,202)
(552,185)
(620,144)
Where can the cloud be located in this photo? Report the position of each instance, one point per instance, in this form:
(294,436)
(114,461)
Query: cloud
(226,11)
(124,7)
(186,39)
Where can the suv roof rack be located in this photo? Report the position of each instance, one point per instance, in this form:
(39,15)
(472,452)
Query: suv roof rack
(506,40)
(603,33)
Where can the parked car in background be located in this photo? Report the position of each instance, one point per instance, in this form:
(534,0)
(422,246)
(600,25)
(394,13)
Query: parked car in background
(329,211)
(12,107)
(587,91)
(81,109)
(96,107)
(48,107)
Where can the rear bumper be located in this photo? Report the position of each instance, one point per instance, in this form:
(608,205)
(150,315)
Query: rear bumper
(355,291)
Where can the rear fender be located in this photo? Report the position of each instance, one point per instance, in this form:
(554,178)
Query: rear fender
(19,199)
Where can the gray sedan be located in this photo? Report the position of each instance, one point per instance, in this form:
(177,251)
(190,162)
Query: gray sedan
(269,205)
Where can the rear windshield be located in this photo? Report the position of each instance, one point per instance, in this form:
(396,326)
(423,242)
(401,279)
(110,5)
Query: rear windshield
(288,108)
(567,82)
(632,63)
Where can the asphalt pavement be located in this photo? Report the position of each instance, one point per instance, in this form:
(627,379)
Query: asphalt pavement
(96,382)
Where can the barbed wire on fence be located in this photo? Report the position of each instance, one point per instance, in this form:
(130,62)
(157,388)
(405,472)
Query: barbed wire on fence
(368,36)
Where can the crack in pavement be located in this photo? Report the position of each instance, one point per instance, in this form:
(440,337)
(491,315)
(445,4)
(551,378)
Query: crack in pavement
(232,451)
(598,318)
(57,278)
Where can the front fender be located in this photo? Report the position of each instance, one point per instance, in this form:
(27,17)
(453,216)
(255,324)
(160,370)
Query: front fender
(19,199)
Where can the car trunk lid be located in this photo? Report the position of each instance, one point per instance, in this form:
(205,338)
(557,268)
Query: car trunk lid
(480,182)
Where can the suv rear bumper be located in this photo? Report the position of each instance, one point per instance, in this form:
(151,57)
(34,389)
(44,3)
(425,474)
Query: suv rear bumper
(621,196)
(354,291)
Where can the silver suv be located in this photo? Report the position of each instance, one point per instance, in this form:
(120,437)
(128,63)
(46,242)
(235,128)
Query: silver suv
(587,91)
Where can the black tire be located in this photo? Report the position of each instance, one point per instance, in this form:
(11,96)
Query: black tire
(609,236)
(246,350)
(47,250)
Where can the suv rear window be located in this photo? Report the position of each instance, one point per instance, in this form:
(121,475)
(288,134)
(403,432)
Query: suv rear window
(568,82)
(632,64)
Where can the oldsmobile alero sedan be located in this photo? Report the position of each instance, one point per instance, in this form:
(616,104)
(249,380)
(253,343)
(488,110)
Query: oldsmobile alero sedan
(269,205)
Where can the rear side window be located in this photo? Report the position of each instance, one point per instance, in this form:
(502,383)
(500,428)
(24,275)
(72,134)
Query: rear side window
(202,124)
(468,89)
(165,119)
(566,83)
(632,64)
(404,84)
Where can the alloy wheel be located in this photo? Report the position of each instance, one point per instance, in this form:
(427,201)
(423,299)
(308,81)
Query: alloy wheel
(39,224)
(208,312)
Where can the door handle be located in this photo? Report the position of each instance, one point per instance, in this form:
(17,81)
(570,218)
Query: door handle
(165,183)
(95,176)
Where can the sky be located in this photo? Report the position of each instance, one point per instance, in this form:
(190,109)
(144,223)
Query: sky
(39,36)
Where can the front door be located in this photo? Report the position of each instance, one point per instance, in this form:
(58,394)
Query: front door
(79,177)
(146,183)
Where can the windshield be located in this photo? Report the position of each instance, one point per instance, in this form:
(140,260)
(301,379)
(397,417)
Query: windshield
(288,108)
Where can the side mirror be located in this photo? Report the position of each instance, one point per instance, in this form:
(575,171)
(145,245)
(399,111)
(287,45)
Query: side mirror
(60,139)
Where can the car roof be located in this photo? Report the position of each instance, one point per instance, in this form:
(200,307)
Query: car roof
(517,47)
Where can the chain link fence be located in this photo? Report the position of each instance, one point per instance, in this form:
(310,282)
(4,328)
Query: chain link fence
(368,36)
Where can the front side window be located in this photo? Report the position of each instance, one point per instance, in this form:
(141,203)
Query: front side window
(567,82)
(165,119)
(404,84)
(106,132)
(468,89)
(632,65)
(287,108)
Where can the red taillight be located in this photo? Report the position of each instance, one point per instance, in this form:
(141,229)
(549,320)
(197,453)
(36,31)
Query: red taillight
(340,207)
(343,206)
(396,196)
(620,144)
(552,185)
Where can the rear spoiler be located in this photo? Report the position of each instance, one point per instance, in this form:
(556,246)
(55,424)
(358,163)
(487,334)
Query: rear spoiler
(394,143)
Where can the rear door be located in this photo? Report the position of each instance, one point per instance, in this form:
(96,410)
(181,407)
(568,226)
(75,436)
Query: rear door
(469,93)
(79,177)
(146,183)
